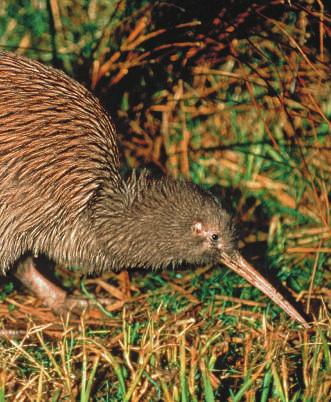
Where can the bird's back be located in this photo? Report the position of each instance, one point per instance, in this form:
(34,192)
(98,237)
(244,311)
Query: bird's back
(57,145)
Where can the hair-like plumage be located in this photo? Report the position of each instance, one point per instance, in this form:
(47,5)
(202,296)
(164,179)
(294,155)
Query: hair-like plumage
(61,192)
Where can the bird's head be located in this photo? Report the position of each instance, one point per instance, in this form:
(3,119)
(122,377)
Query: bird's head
(174,222)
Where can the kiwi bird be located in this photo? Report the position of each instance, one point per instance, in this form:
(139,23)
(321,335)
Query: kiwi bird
(62,194)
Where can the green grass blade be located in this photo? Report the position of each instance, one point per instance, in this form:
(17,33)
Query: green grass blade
(266,385)
(245,386)
(207,387)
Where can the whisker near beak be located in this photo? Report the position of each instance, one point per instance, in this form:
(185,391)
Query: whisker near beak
(239,265)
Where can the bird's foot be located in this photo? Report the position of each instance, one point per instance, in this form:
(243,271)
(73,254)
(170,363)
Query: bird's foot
(69,305)
(50,294)
(76,305)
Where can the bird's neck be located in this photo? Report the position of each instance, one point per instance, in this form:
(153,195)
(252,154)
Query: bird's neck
(134,225)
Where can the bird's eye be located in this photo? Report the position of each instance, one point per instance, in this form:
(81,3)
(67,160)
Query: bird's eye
(214,237)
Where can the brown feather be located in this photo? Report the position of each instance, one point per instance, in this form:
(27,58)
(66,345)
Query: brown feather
(61,192)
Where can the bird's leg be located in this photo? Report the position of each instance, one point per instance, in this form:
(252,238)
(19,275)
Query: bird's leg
(124,280)
(50,294)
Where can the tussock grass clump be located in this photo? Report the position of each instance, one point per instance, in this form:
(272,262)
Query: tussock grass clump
(234,96)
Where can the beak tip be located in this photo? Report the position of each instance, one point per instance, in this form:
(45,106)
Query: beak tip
(238,264)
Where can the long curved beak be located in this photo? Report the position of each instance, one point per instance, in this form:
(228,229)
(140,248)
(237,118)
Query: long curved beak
(239,265)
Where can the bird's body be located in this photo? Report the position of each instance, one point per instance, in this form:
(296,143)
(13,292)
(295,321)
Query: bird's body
(55,154)
(61,193)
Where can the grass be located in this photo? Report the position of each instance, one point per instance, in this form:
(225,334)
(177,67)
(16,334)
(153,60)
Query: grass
(236,99)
